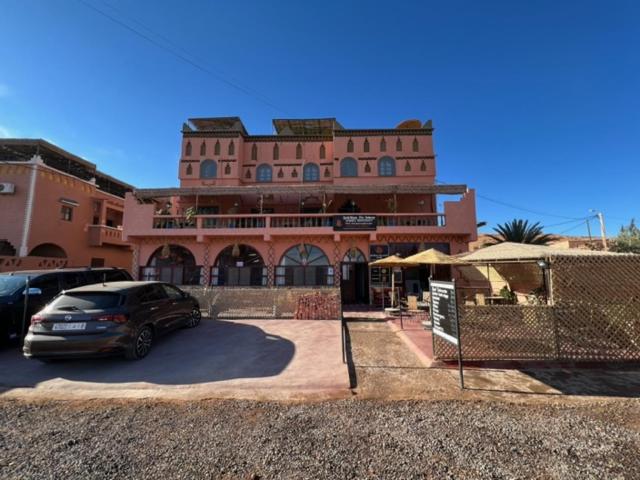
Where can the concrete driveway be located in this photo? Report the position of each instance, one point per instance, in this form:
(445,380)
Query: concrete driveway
(252,359)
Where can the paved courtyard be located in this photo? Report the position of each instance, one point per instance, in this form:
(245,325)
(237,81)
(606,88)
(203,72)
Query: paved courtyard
(252,359)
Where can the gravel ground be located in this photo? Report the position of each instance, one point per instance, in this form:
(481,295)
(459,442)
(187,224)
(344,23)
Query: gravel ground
(344,439)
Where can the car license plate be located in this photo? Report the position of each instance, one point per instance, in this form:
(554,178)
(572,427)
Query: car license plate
(69,326)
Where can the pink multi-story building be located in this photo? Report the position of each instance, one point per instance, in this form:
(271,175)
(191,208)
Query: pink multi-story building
(309,205)
(58,210)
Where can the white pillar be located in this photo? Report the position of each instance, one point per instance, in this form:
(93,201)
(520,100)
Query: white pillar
(28,209)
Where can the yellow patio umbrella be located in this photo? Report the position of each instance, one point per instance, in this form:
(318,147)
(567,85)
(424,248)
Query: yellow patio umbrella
(391,262)
(433,257)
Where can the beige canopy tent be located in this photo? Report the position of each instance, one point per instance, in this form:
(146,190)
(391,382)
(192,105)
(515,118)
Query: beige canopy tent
(432,257)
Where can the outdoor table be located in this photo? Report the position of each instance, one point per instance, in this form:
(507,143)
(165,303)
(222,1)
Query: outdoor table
(495,300)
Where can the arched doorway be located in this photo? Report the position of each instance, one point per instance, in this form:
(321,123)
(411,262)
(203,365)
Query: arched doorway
(48,250)
(354,281)
(303,266)
(174,264)
(239,265)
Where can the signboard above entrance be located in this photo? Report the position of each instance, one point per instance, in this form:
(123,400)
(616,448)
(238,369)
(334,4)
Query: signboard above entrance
(354,222)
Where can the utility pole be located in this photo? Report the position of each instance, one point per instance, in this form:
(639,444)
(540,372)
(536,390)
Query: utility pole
(603,232)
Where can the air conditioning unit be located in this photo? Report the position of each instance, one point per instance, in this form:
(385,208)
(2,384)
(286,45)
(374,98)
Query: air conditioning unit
(7,188)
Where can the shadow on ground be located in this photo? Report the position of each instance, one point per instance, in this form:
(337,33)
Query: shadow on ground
(214,351)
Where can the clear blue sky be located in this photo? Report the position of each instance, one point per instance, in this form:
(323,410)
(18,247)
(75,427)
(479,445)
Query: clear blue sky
(535,104)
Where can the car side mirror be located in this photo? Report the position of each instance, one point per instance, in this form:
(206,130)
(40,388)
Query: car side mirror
(32,291)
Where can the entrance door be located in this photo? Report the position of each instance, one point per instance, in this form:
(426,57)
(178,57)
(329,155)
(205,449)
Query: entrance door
(354,284)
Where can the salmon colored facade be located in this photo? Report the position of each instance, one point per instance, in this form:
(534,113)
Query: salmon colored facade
(58,210)
(307,206)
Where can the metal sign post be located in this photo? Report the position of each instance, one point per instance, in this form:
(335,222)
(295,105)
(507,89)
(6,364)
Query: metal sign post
(444,317)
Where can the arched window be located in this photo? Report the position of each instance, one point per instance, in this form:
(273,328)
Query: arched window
(239,265)
(387,167)
(323,151)
(208,169)
(348,167)
(187,149)
(276,152)
(298,151)
(398,145)
(304,265)
(350,146)
(416,145)
(48,250)
(354,255)
(203,149)
(254,152)
(311,173)
(327,172)
(216,148)
(227,169)
(383,145)
(365,146)
(189,169)
(173,264)
(232,148)
(264,173)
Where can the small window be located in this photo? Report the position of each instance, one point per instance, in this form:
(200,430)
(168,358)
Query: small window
(254,152)
(365,146)
(97,262)
(323,151)
(264,173)
(294,173)
(208,169)
(415,145)
(227,169)
(311,173)
(66,213)
(298,152)
(276,152)
(327,172)
(386,167)
(383,145)
(350,146)
(216,148)
(248,174)
(367,168)
(172,292)
(203,149)
(187,149)
(423,166)
(398,145)
(348,167)
(232,148)
(407,166)
(280,173)
(189,170)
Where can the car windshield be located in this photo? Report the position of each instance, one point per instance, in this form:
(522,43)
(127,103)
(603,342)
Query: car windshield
(9,284)
(85,301)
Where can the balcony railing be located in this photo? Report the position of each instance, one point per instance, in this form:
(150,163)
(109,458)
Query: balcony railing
(102,234)
(297,221)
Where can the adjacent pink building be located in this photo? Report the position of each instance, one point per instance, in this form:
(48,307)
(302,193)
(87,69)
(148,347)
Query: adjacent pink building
(308,205)
(58,210)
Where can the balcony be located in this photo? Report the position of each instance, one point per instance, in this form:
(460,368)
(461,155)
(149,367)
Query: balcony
(100,235)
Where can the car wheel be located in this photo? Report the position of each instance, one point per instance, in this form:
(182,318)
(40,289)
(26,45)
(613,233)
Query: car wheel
(141,344)
(194,318)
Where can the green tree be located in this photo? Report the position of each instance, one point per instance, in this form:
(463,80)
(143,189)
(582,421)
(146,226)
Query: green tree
(519,231)
(628,240)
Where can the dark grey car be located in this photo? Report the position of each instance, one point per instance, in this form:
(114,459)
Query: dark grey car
(112,318)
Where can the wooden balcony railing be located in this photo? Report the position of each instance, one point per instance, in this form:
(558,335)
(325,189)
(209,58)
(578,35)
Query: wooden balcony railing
(277,221)
(102,234)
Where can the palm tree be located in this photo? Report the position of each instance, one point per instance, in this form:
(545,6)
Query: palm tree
(519,231)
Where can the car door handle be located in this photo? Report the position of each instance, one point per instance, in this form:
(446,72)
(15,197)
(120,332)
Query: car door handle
(154,308)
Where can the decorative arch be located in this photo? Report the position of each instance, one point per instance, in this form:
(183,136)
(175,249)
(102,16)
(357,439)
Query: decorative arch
(323,151)
(187,149)
(174,264)
(383,145)
(348,167)
(304,265)
(350,146)
(208,169)
(276,152)
(415,145)
(216,148)
(387,167)
(311,173)
(48,250)
(254,152)
(203,148)
(189,170)
(298,151)
(232,148)
(398,145)
(354,255)
(239,265)
(264,173)
(365,145)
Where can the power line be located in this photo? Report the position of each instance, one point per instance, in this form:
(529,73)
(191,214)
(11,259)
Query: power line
(182,57)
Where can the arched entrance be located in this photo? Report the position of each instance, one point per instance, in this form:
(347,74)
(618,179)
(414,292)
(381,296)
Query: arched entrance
(48,250)
(174,264)
(304,265)
(354,282)
(239,265)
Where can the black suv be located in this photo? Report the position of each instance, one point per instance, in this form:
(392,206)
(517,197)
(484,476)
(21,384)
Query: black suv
(44,285)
